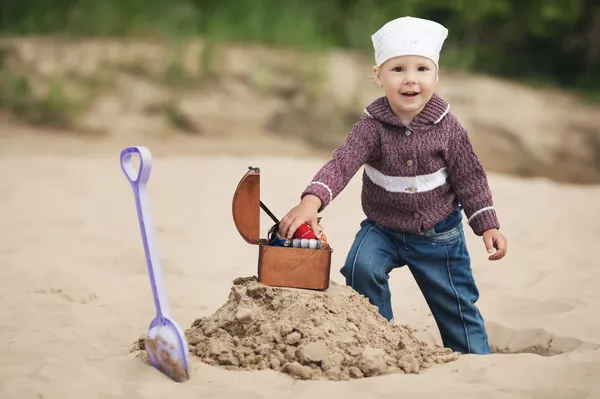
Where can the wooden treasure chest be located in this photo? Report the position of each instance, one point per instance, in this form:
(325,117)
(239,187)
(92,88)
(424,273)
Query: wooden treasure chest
(278,266)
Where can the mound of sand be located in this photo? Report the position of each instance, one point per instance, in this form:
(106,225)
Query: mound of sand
(335,334)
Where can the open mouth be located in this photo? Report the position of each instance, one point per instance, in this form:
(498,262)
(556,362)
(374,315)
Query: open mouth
(410,93)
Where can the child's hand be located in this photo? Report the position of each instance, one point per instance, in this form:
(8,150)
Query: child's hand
(493,239)
(305,212)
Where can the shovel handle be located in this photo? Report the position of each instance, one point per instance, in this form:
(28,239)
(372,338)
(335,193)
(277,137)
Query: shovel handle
(142,175)
(138,180)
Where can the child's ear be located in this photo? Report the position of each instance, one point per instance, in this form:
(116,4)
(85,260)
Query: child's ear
(377,76)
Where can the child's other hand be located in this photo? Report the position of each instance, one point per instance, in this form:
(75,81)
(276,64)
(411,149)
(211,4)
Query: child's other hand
(493,239)
(305,212)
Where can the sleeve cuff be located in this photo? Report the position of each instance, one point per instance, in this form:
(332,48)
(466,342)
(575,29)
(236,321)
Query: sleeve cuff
(321,190)
(483,220)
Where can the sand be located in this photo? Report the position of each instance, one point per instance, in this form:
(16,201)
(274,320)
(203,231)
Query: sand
(74,290)
(336,334)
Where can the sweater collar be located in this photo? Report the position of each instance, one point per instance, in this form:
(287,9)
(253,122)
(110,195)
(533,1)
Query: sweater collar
(432,113)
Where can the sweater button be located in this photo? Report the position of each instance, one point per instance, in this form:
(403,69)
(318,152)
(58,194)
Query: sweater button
(416,215)
(408,132)
(409,162)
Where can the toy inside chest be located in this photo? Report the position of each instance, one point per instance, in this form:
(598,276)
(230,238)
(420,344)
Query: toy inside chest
(306,266)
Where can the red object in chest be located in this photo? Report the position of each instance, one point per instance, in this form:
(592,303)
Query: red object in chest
(304,231)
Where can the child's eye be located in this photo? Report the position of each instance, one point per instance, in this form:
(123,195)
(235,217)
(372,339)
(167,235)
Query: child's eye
(398,69)
(423,69)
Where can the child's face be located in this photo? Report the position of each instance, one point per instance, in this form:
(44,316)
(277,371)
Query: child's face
(408,82)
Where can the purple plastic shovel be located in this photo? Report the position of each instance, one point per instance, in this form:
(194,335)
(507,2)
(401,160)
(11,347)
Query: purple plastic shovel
(165,342)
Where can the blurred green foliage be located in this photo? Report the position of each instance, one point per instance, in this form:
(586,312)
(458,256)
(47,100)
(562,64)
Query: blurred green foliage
(540,41)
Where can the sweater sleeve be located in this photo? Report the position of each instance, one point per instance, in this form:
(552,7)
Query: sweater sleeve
(333,177)
(469,180)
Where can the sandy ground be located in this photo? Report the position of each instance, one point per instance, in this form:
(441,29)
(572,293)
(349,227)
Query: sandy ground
(74,290)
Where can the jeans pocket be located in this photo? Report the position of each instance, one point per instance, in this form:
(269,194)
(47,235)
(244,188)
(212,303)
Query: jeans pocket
(445,237)
(447,230)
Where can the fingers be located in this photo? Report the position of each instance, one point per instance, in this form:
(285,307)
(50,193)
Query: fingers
(315,228)
(488,240)
(500,245)
(293,227)
(288,225)
(284,225)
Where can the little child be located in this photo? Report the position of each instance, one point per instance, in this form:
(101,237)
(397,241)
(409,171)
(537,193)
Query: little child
(420,173)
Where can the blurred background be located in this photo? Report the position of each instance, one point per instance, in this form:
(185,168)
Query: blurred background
(290,78)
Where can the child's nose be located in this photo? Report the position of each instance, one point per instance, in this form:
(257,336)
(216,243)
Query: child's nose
(410,78)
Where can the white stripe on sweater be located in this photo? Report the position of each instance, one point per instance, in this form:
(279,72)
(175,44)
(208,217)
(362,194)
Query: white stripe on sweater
(408,184)
(444,114)
(487,208)
(326,186)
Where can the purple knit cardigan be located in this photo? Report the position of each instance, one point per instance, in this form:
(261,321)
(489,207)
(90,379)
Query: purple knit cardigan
(414,175)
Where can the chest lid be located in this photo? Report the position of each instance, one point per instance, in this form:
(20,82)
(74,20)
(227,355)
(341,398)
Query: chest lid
(246,206)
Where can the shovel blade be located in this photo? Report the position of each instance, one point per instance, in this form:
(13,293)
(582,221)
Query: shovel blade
(167,350)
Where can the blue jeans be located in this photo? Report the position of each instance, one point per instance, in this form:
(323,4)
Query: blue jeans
(440,264)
